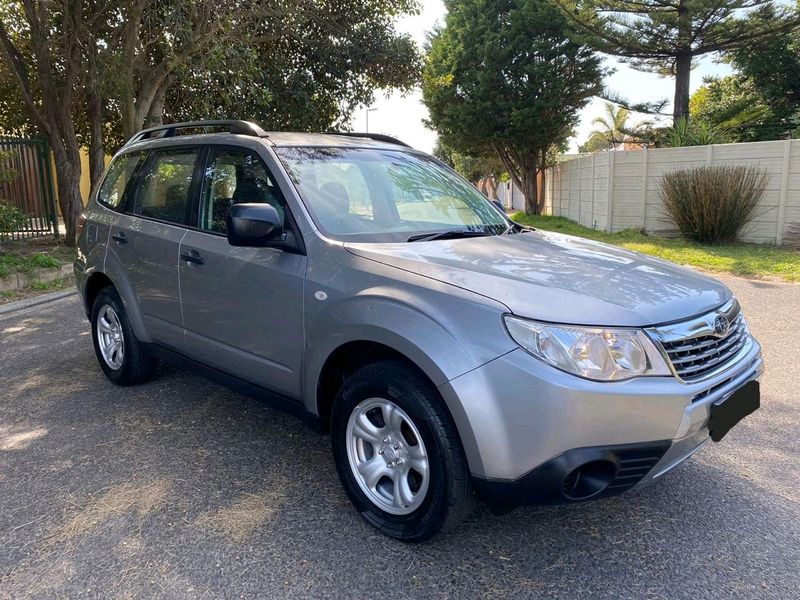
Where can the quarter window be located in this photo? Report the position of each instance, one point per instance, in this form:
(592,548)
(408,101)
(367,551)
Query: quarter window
(233,177)
(112,191)
(164,192)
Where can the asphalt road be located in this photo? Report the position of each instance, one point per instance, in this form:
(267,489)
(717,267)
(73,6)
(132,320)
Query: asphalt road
(180,488)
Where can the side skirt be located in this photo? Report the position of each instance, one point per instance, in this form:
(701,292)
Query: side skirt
(273,399)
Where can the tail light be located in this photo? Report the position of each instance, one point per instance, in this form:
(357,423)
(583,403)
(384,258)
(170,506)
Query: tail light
(79,226)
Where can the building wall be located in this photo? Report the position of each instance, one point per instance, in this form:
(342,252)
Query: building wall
(619,190)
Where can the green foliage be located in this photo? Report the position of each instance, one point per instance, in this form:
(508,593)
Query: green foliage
(11,218)
(713,204)
(505,76)
(749,260)
(348,50)
(665,36)
(613,129)
(690,132)
(735,106)
(773,68)
(304,66)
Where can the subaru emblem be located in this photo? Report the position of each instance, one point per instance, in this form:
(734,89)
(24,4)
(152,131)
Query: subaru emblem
(721,325)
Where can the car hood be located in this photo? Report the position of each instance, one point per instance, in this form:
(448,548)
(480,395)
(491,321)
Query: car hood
(559,278)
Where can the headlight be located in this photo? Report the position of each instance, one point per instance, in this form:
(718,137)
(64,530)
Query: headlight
(602,354)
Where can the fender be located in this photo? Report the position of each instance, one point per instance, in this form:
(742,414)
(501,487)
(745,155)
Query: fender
(386,315)
(114,270)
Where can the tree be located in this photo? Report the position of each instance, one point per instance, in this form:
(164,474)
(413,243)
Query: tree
(613,129)
(93,73)
(665,36)
(734,105)
(506,76)
(772,67)
(40,44)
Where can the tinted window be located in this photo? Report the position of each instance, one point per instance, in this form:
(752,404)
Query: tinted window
(233,177)
(165,186)
(119,174)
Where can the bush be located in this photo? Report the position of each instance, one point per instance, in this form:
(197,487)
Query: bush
(11,218)
(712,204)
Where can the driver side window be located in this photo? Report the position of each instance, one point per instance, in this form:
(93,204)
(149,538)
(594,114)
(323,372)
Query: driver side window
(234,177)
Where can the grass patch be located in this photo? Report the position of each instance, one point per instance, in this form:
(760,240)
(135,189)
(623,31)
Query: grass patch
(747,260)
(24,256)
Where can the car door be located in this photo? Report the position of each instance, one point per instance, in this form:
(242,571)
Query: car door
(147,237)
(242,307)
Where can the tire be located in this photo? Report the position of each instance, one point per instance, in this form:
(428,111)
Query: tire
(131,364)
(429,504)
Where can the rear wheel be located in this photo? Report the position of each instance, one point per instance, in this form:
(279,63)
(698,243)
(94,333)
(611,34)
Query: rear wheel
(398,453)
(121,356)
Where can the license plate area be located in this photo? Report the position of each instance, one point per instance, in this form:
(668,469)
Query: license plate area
(728,412)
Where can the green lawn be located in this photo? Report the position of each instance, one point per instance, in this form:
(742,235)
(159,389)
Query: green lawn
(28,255)
(749,260)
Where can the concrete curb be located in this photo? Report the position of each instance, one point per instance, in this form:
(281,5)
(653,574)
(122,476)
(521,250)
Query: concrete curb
(35,301)
(20,281)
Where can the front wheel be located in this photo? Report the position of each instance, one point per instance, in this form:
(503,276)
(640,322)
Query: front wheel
(398,453)
(121,356)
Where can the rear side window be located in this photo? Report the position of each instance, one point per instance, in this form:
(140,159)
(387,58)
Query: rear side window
(165,188)
(112,191)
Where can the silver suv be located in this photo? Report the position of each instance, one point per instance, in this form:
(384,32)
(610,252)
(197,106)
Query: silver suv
(369,289)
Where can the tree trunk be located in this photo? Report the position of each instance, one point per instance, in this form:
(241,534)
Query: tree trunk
(683,63)
(530,188)
(97,162)
(69,194)
(683,69)
(542,191)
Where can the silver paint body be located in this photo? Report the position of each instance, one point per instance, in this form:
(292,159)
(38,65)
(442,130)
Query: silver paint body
(257,313)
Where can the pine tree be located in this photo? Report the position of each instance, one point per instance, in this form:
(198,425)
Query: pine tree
(665,36)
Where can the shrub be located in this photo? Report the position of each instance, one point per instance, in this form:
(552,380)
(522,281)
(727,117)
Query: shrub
(11,218)
(712,204)
(691,132)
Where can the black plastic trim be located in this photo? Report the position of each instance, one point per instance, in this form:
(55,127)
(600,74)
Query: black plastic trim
(273,399)
(544,484)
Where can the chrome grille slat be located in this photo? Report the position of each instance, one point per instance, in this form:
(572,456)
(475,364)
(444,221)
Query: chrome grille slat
(694,350)
(720,347)
(694,347)
(709,365)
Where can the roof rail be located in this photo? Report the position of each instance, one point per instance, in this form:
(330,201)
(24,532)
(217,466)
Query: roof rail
(233,126)
(378,137)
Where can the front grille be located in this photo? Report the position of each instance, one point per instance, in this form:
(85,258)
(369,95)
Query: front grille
(694,357)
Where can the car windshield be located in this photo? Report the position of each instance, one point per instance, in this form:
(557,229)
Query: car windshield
(378,195)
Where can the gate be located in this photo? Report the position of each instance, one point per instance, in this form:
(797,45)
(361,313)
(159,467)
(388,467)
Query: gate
(27,184)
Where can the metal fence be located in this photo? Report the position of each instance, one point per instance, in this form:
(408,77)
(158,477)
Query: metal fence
(27,184)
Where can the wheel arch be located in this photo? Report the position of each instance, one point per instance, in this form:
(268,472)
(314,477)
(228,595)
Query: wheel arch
(99,280)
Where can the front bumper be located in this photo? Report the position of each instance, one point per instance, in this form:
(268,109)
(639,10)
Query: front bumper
(522,422)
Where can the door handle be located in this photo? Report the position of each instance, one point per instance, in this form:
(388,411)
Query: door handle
(119,238)
(193,256)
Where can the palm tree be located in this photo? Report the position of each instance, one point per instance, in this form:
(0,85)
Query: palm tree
(612,127)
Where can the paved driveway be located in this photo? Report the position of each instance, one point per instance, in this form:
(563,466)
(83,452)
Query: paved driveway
(180,488)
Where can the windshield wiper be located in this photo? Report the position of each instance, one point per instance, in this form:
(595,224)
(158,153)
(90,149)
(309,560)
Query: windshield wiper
(447,235)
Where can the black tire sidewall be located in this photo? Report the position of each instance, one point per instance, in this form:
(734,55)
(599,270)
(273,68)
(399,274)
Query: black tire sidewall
(125,374)
(421,403)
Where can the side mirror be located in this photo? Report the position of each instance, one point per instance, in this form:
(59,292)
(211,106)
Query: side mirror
(254,225)
(499,205)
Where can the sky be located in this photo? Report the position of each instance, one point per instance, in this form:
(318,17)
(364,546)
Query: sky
(403,116)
